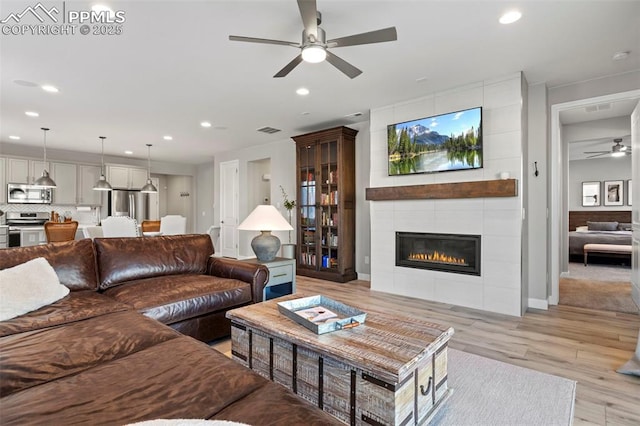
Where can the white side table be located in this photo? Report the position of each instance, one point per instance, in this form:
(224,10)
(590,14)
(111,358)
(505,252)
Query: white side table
(282,277)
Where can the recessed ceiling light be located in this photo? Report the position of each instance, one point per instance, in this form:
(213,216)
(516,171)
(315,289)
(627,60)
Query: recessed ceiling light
(49,88)
(101,8)
(15,138)
(205,124)
(510,17)
(618,56)
(303,91)
(32,114)
(305,113)
(167,138)
(421,79)
(129,152)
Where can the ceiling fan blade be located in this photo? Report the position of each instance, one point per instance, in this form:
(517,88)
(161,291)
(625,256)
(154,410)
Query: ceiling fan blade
(378,36)
(597,155)
(263,41)
(309,14)
(289,67)
(342,65)
(596,152)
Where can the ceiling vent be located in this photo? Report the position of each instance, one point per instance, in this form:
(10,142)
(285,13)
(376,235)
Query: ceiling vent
(596,108)
(354,115)
(269,130)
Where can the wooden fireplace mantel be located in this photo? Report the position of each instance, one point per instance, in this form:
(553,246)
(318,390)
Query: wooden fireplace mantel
(441,191)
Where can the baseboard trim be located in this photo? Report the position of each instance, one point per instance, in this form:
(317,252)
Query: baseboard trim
(364,277)
(539,304)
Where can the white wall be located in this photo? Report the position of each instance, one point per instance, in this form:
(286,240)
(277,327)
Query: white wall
(498,220)
(599,170)
(536,193)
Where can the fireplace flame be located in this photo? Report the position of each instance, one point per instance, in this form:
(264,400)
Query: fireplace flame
(437,257)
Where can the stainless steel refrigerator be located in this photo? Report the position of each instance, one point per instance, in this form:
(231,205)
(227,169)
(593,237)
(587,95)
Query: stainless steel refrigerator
(134,204)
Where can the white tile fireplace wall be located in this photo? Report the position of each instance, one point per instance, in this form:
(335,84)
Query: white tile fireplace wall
(497,220)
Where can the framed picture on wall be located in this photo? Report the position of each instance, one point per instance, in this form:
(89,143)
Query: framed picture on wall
(590,194)
(629,192)
(614,193)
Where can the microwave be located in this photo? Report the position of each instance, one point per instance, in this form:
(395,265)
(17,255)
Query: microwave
(18,193)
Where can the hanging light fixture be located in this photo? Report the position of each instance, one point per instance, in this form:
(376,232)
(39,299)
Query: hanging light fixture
(149,188)
(102,184)
(45,181)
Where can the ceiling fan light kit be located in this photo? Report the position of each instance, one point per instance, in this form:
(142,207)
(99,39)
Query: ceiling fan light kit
(314,46)
(617,150)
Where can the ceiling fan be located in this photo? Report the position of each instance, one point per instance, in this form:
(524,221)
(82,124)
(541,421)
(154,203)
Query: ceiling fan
(617,150)
(315,47)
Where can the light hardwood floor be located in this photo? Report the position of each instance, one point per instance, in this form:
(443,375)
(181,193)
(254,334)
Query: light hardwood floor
(580,344)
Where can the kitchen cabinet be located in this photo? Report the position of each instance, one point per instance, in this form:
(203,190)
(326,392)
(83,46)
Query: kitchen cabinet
(325,168)
(22,170)
(4,234)
(121,177)
(65,176)
(87,177)
(3,181)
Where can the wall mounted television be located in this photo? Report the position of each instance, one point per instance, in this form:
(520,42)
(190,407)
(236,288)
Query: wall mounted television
(440,143)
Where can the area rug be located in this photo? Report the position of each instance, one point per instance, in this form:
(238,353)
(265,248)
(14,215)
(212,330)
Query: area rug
(604,296)
(489,392)
(598,272)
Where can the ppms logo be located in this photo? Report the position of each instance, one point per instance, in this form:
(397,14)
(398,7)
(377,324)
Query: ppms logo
(39,11)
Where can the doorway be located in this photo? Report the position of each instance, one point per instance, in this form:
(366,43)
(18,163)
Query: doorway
(559,186)
(229,199)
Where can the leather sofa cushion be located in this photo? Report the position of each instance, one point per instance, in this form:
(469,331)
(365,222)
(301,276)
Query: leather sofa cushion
(37,357)
(126,259)
(174,298)
(179,378)
(73,261)
(283,408)
(76,306)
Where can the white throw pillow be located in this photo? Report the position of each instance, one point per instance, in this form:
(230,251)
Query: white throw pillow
(582,228)
(27,287)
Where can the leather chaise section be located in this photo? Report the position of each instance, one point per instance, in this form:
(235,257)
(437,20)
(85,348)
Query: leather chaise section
(40,356)
(163,381)
(173,298)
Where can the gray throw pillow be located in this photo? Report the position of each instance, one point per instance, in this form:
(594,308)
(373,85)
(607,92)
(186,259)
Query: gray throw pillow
(623,226)
(602,226)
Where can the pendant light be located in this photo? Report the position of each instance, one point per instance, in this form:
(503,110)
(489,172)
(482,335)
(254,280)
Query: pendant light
(149,188)
(102,184)
(45,181)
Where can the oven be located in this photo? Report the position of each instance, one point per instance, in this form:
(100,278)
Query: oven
(26,228)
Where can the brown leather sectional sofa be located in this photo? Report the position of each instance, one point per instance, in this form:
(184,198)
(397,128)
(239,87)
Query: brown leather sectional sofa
(102,355)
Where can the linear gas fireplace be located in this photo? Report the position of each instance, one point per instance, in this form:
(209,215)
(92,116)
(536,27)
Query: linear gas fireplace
(455,253)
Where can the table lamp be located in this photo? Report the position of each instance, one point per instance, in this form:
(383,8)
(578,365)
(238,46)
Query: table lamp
(265,218)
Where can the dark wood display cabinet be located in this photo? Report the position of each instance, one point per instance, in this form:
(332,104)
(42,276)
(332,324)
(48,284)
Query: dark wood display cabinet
(326,204)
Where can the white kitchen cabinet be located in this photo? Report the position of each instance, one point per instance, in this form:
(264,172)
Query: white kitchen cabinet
(121,177)
(3,180)
(22,170)
(87,178)
(32,237)
(65,176)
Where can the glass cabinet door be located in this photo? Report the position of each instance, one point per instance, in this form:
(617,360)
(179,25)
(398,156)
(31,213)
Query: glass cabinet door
(328,208)
(307,206)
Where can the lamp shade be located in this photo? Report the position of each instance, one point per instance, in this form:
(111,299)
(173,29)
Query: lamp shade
(265,218)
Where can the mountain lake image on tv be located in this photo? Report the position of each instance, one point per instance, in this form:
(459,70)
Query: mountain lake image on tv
(440,143)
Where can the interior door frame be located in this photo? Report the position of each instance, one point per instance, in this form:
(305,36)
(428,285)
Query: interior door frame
(558,188)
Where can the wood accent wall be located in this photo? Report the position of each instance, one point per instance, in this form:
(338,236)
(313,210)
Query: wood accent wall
(580,218)
(441,191)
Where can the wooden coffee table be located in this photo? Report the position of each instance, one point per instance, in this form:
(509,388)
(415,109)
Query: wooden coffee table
(391,370)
